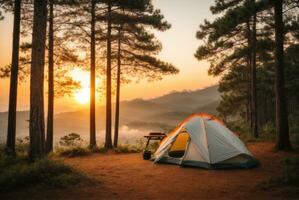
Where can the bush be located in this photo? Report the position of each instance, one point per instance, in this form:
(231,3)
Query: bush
(295,139)
(291,173)
(22,145)
(71,145)
(126,148)
(268,128)
(47,172)
(73,151)
(2,147)
(100,149)
(71,140)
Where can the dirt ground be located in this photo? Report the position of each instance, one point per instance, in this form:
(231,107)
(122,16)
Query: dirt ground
(128,176)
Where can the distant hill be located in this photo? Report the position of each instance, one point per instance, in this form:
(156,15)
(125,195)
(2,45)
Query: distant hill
(137,116)
(22,123)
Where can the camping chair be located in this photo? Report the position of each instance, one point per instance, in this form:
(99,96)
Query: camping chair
(153,136)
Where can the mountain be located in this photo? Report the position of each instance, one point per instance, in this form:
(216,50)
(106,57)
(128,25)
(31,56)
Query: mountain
(137,117)
(170,109)
(22,124)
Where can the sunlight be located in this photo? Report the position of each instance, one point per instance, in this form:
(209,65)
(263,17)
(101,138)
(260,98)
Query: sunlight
(83,94)
(81,76)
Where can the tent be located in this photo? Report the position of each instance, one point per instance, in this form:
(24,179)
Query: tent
(204,141)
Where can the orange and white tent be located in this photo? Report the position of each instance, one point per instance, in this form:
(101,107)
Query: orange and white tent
(204,141)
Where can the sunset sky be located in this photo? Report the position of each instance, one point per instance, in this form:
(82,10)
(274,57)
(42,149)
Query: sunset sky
(179,45)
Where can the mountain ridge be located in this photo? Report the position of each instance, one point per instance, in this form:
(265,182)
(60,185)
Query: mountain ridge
(160,113)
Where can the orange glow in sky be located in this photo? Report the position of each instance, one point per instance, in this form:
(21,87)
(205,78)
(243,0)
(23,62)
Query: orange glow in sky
(179,45)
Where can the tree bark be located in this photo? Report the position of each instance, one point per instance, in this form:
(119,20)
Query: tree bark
(50,119)
(282,126)
(253,78)
(92,140)
(108,139)
(116,125)
(36,124)
(249,73)
(13,92)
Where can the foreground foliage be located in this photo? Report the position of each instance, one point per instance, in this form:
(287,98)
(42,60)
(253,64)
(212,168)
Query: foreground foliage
(291,173)
(18,173)
(289,178)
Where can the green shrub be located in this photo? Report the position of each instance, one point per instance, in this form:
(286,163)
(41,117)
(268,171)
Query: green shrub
(98,149)
(2,147)
(47,172)
(122,148)
(71,140)
(73,151)
(126,148)
(295,139)
(7,161)
(291,172)
(71,145)
(22,145)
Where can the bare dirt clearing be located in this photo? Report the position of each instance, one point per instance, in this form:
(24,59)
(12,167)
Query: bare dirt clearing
(128,176)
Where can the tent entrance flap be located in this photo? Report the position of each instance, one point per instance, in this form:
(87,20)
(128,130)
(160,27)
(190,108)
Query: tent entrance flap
(178,147)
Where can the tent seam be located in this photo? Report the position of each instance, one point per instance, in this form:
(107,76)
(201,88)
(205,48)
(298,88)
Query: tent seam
(208,147)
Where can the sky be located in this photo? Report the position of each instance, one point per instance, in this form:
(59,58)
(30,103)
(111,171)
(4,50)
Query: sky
(179,45)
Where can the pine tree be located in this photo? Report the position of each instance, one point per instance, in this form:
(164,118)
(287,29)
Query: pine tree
(117,101)
(282,126)
(231,49)
(11,130)
(36,124)
(50,118)
(85,30)
(1,14)
(135,48)
(92,75)
(64,85)
(108,137)
(231,44)
(254,110)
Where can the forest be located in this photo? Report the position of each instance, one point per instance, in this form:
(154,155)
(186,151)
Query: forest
(251,46)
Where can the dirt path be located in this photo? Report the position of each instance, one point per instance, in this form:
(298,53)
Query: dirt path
(127,176)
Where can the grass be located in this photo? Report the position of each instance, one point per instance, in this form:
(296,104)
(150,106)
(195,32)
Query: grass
(291,172)
(290,177)
(127,148)
(17,172)
(72,151)
(75,151)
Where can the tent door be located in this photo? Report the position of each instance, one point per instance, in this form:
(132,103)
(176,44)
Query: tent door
(179,146)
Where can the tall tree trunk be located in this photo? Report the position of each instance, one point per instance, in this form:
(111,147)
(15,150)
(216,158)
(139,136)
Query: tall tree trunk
(108,140)
(37,124)
(282,126)
(116,125)
(12,110)
(92,113)
(249,72)
(49,141)
(253,78)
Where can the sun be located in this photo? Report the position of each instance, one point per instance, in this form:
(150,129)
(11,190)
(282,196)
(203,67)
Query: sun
(82,96)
